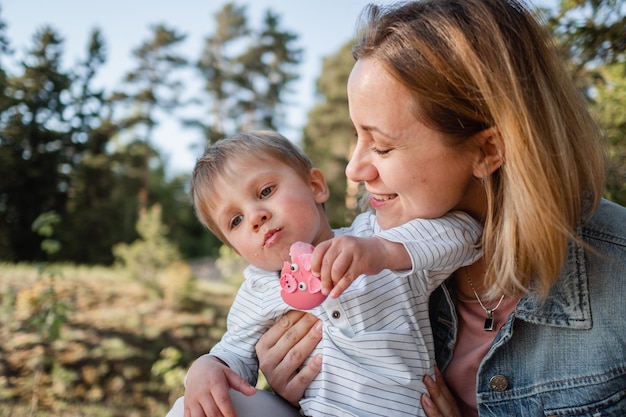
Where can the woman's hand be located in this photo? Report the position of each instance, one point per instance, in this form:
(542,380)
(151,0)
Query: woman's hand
(439,402)
(282,351)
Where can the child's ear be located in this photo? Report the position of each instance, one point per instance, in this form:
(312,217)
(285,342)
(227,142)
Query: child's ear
(318,186)
(491,151)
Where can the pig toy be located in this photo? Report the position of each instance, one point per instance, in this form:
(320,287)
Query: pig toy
(299,288)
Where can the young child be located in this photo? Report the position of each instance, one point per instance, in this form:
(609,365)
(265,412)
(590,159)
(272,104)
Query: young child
(259,194)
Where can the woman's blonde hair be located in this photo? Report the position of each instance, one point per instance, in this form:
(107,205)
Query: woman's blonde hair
(264,145)
(478,64)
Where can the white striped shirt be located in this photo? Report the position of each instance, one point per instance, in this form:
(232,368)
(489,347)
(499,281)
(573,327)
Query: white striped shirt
(377,342)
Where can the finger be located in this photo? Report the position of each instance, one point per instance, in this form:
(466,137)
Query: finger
(429,406)
(237,383)
(317,256)
(441,396)
(332,254)
(297,385)
(275,334)
(220,404)
(327,284)
(277,343)
(443,389)
(304,346)
(284,376)
(194,409)
(340,287)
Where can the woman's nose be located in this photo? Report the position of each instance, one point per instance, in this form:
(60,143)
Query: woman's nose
(359,167)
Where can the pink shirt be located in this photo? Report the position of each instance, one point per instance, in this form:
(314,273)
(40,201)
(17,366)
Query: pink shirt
(472,345)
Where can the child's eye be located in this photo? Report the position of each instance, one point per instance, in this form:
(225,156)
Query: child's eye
(236,221)
(266,191)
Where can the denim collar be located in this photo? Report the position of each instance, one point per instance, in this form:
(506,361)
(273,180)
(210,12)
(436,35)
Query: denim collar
(568,302)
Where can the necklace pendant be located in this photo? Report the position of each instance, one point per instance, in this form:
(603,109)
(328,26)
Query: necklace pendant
(488,327)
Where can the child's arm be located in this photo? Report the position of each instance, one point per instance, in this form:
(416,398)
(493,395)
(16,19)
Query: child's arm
(445,243)
(421,244)
(208,383)
(340,260)
(232,362)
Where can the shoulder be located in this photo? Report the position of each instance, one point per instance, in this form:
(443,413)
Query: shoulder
(607,225)
(259,279)
(363,224)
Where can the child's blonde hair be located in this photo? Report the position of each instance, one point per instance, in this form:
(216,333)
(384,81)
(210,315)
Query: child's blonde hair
(265,145)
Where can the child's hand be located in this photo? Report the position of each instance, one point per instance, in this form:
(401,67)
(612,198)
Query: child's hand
(340,260)
(208,383)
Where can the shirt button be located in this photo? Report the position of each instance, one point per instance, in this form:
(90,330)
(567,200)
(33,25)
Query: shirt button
(336,314)
(498,383)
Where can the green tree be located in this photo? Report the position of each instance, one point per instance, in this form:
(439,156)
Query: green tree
(329,134)
(592,34)
(154,90)
(591,30)
(92,213)
(609,103)
(7,154)
(37,145)
(151,253)
(270,63)
(246,73)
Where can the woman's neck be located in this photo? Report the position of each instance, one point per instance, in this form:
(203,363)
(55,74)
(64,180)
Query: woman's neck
(475,273)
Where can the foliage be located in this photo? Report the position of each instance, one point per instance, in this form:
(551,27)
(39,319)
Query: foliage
(45,310)
(609,103)
(122,352)
(230,265)
(246,73)
(329,134)
(592,35)
(151,253)
(154,88)
(88,154)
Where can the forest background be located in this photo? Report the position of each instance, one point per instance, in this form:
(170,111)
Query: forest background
(108,285)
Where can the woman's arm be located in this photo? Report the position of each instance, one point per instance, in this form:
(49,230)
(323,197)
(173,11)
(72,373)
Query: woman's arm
(282,351)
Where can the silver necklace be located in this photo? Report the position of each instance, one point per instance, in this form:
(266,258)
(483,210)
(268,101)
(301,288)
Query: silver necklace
(489,322)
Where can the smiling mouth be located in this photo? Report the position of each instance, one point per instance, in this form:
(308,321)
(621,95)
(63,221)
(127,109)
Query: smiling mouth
(384,197)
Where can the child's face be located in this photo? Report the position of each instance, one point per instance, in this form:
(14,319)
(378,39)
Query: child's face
(263,206)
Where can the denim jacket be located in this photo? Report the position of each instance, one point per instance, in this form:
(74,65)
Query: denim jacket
(567,356)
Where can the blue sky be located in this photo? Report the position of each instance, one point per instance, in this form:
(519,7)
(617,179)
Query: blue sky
(323,26)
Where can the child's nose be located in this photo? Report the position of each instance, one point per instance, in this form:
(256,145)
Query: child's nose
(259,219)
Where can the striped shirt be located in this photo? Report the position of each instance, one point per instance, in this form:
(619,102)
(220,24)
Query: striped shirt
(377,342)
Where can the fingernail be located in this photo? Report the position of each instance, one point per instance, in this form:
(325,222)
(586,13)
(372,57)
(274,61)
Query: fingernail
(427,401)
(428,381)
(318,326)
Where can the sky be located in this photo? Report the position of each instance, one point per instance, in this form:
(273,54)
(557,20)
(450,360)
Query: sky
(322,25)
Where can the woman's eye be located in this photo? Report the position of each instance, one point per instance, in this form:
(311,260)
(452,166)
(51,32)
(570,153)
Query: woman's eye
(236,221)
(266,191)
(381,151)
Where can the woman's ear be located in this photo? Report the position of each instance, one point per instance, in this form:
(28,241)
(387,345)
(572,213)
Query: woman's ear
(491,148)
(320,190)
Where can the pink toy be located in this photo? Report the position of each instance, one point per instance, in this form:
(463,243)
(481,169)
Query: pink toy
(300,289)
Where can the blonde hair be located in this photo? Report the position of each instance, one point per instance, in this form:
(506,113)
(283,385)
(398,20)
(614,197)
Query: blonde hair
(265,145)
(477,64)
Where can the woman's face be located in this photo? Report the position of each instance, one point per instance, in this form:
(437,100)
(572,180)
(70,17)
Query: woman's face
(408,168)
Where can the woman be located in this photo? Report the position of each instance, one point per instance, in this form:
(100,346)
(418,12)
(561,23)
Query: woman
(465,105)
